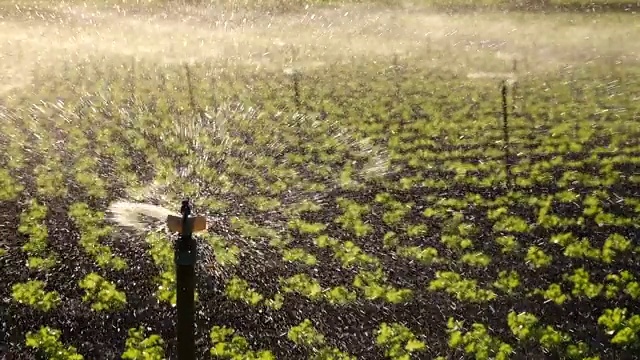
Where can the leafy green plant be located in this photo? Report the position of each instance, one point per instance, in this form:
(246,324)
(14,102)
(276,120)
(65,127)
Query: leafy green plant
(42,263)
(553,293)
(582,286)
(463,289)
(525,327)
(416,230)
(32,225)
(304,285)
(306,335)
(351,218)
(102,294)
(476,259)
(477,342)
(623,282)
(9,188)
(508,243)
(511,224)
(538,258)
(622,328)
(225,254)
(613,245)
(398,341)
(456,242)
(47,341)
(33,294)
(162,255)
(226,345)
(138,346)
(426,255)
(371,284)
(306,228)
(238,289)
(299,255)
(340,295)
(508,281)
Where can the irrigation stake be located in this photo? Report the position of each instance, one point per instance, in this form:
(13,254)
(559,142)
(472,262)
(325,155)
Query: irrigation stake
(296,88)
(192,97)
(505,133)
(514,88)
(185,258)
(132,81)
(295,75)
(396,75)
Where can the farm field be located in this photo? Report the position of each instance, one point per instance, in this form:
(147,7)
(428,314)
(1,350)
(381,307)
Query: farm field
(362,207)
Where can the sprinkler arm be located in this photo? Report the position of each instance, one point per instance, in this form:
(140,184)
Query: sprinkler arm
(196,223)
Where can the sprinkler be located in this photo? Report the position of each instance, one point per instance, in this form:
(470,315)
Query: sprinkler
(185,258)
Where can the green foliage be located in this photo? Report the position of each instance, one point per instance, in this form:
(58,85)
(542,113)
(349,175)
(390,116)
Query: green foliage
(456,242)
(398,341)
(477,259)
(340,295)
(371,284)
(32,225)
(582,286)
(622,328)
(538,258)
(416,230)
(477,342)
(426,255)
(508,281)
(526,327)
(553,293)
(511,224)
(92,230)
(47,341)
(508,243)
(299,255)
(462,289)
(33,294)
(395,211)
(306,228)
(226,345)
(102,294)
(306,335)
(351,219)
(225,254)
(162,255)
(238,289)
(42,263)
(351,255)
(304,285)
(9,188)
(613,245)
(623,282)
(139,347)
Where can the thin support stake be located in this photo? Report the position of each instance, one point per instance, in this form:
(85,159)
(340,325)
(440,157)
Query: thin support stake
(192,96)
(296,89)
(514,89)
(505,133)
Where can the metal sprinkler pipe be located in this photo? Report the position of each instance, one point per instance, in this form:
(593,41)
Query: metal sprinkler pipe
(185,258)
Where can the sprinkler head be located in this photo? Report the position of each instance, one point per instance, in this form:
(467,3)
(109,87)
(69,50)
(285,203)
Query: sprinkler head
(185,210)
